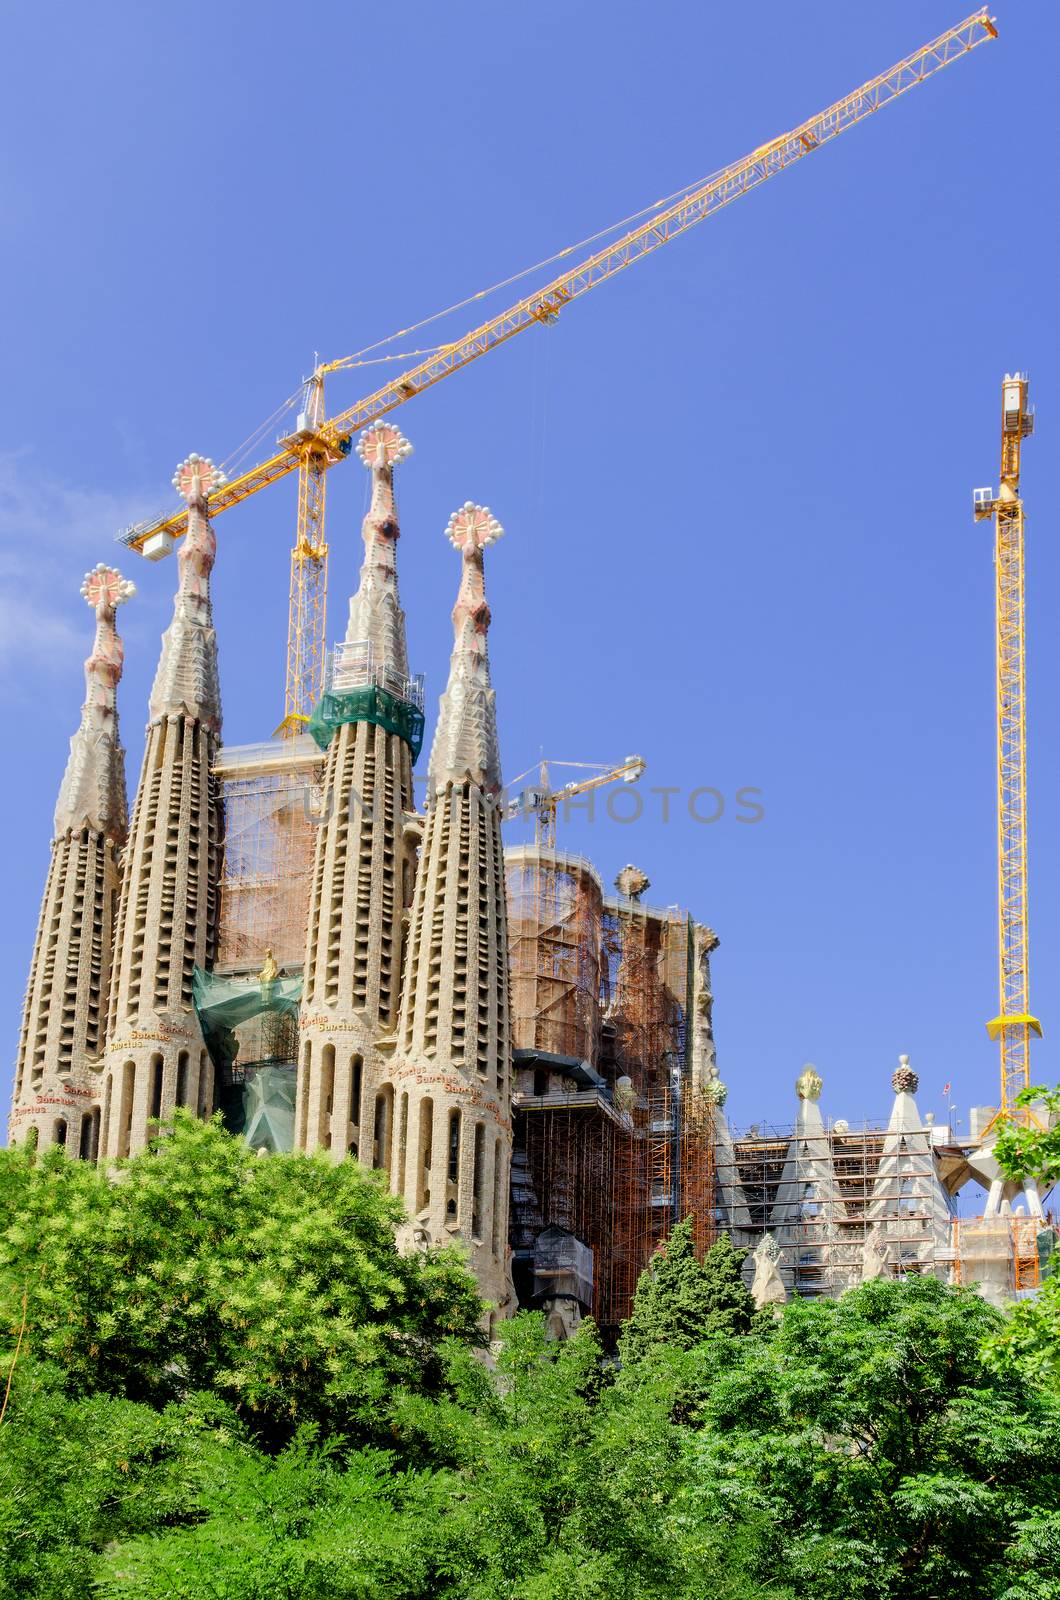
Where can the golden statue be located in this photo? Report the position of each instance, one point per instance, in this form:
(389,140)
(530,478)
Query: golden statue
(808,1084)
(269,970)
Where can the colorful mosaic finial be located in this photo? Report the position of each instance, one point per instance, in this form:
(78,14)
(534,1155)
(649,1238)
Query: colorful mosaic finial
(905,1080)
(92,793)
(376,618)
(186,680)
(104,588)
(465,741)
(474,526)
(196,478)
(383,445)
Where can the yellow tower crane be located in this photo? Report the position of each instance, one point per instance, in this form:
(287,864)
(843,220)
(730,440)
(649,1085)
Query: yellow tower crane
(320,442)
(546,801)
(1014,1024)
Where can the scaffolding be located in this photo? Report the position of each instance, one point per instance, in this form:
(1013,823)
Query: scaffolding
(874,1203)
(843,1204)
(613,1142)
(271,798)
(555,903)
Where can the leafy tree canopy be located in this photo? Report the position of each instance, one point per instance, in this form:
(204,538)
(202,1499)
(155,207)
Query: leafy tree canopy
(274,1284)
(680,1302)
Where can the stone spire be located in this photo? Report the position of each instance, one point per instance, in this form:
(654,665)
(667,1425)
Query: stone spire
(186,680)
(375,610)
(167,914)
(69,980)
(809,1208)
(364,852)
(909,1212)
(92,793)
(454,1063)
(465,740)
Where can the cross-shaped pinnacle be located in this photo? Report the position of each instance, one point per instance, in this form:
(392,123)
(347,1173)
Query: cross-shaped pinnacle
(105,588)
(197,477)
(383,445)
(473,527)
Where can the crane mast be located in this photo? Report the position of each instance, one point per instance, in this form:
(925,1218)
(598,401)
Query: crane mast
(1014,1024)
(319,442)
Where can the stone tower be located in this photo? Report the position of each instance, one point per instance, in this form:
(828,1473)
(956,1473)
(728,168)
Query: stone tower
(452,1074)
(69,981)
(364,863)
(167,914)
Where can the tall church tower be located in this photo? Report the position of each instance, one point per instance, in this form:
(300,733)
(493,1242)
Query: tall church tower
(364,861)
(167,914)
(453,1072)
(66,998)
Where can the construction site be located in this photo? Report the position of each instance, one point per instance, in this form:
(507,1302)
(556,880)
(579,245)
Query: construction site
(288,933)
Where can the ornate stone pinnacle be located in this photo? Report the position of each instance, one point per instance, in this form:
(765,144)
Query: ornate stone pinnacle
(905,1080)
(465,740)
(473,527)
(808,1084)
(632,882)
(104,588)
(383,445)
(196,477)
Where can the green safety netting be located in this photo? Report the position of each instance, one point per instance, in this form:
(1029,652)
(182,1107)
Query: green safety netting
(223,1003)
(368,704)
(256,1095)
(261,1107)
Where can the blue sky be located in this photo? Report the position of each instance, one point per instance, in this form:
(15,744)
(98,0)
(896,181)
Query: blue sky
(736,481)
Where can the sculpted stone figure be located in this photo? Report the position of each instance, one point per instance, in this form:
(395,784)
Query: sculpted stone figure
(874,1254)
(768,1286)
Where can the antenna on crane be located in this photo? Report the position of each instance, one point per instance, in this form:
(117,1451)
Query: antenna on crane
(1014,1025)
(545,801)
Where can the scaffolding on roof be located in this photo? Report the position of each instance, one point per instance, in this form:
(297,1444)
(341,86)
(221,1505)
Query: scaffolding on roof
(270,793)
(613,1142)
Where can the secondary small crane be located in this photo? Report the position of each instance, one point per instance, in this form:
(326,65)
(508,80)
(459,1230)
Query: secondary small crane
(319,442)
(545,801)
(1014,1025)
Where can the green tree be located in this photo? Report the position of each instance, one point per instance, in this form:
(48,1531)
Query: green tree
(273,1283)
(888,1455)
(77,1474)
(1030,1339)
(680,1302)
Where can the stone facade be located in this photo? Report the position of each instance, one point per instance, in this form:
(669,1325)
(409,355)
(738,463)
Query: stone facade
(364,862)
(167,916)
(452,1071)
(65,1011)
(404,1052)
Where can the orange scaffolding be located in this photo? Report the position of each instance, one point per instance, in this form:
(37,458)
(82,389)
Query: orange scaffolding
(269,793)
(612,1141)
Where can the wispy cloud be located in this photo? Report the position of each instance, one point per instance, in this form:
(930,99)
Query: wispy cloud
(51,532)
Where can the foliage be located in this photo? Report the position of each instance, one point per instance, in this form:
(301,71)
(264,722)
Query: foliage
(273,1283)
(77,1474)
(680,1302)
(1030,1340)
(232,1385)
(541,1486)
(1032,1151)
(875,1438)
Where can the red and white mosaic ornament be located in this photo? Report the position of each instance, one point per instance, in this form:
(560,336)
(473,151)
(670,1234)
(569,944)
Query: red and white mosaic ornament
(473,527)
(196,477)
(104,587)
(383,445)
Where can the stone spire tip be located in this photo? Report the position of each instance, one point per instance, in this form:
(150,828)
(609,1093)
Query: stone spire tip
(104,588)
(383,445)
(473,528)
(196,477)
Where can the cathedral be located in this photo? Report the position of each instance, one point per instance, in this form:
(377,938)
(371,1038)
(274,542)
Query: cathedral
(280,936)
